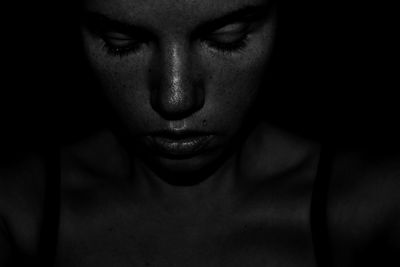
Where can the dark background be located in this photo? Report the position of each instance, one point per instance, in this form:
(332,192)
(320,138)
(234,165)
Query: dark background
(335,76)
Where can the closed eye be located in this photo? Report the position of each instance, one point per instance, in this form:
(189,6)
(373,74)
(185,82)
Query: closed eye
(231,38)
(231,32)
(118,39)
(228,34)
(120,44)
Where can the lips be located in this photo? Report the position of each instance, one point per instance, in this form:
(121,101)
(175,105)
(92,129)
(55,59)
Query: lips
(179,144)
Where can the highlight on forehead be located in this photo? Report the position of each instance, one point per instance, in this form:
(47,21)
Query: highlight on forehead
(183,11)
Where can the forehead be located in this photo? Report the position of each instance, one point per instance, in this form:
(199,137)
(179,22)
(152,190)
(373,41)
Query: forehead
(178,13)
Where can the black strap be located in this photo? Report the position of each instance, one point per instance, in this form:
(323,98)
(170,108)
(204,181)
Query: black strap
(51,211)
(318,214)
(319,202)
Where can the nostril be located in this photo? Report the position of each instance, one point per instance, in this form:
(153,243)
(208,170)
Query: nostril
(177,104)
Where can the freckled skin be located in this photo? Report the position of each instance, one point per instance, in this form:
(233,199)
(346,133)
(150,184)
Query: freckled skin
(252,210)
(177,79)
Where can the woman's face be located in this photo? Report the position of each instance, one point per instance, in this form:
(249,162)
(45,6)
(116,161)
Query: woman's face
(181,74)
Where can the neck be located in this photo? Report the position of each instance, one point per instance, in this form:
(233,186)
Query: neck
(214,187)
(267,153)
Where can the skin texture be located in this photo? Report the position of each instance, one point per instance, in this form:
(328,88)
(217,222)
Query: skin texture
(175,79)
(119,206)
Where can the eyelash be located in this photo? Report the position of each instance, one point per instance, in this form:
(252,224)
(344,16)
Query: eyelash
(120,51)
(227,48)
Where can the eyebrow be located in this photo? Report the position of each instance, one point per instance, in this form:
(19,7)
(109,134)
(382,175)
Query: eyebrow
(97,21)
(244,14)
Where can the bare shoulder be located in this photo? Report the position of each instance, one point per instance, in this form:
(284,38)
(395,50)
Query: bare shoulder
(21,203)
(364,207)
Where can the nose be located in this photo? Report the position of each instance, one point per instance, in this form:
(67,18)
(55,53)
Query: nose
(176,92)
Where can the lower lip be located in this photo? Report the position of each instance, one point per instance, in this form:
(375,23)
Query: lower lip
(181,147)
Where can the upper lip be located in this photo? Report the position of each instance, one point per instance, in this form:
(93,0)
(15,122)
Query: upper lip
(178,134)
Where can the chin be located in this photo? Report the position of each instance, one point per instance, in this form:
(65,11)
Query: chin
(186,171)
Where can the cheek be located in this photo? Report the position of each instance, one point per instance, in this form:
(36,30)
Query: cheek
(123,84)
(234,84)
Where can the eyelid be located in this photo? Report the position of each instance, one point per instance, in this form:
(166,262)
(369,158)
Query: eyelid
(230,34)
(119,40)
(117,36)
(117,43)
(113,33)
(236,27)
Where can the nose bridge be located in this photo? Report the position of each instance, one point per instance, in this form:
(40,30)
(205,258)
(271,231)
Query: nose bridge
(177,70)
(177,94)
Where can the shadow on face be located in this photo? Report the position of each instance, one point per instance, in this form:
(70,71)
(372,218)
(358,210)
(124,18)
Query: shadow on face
(182,77)
(161,71)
